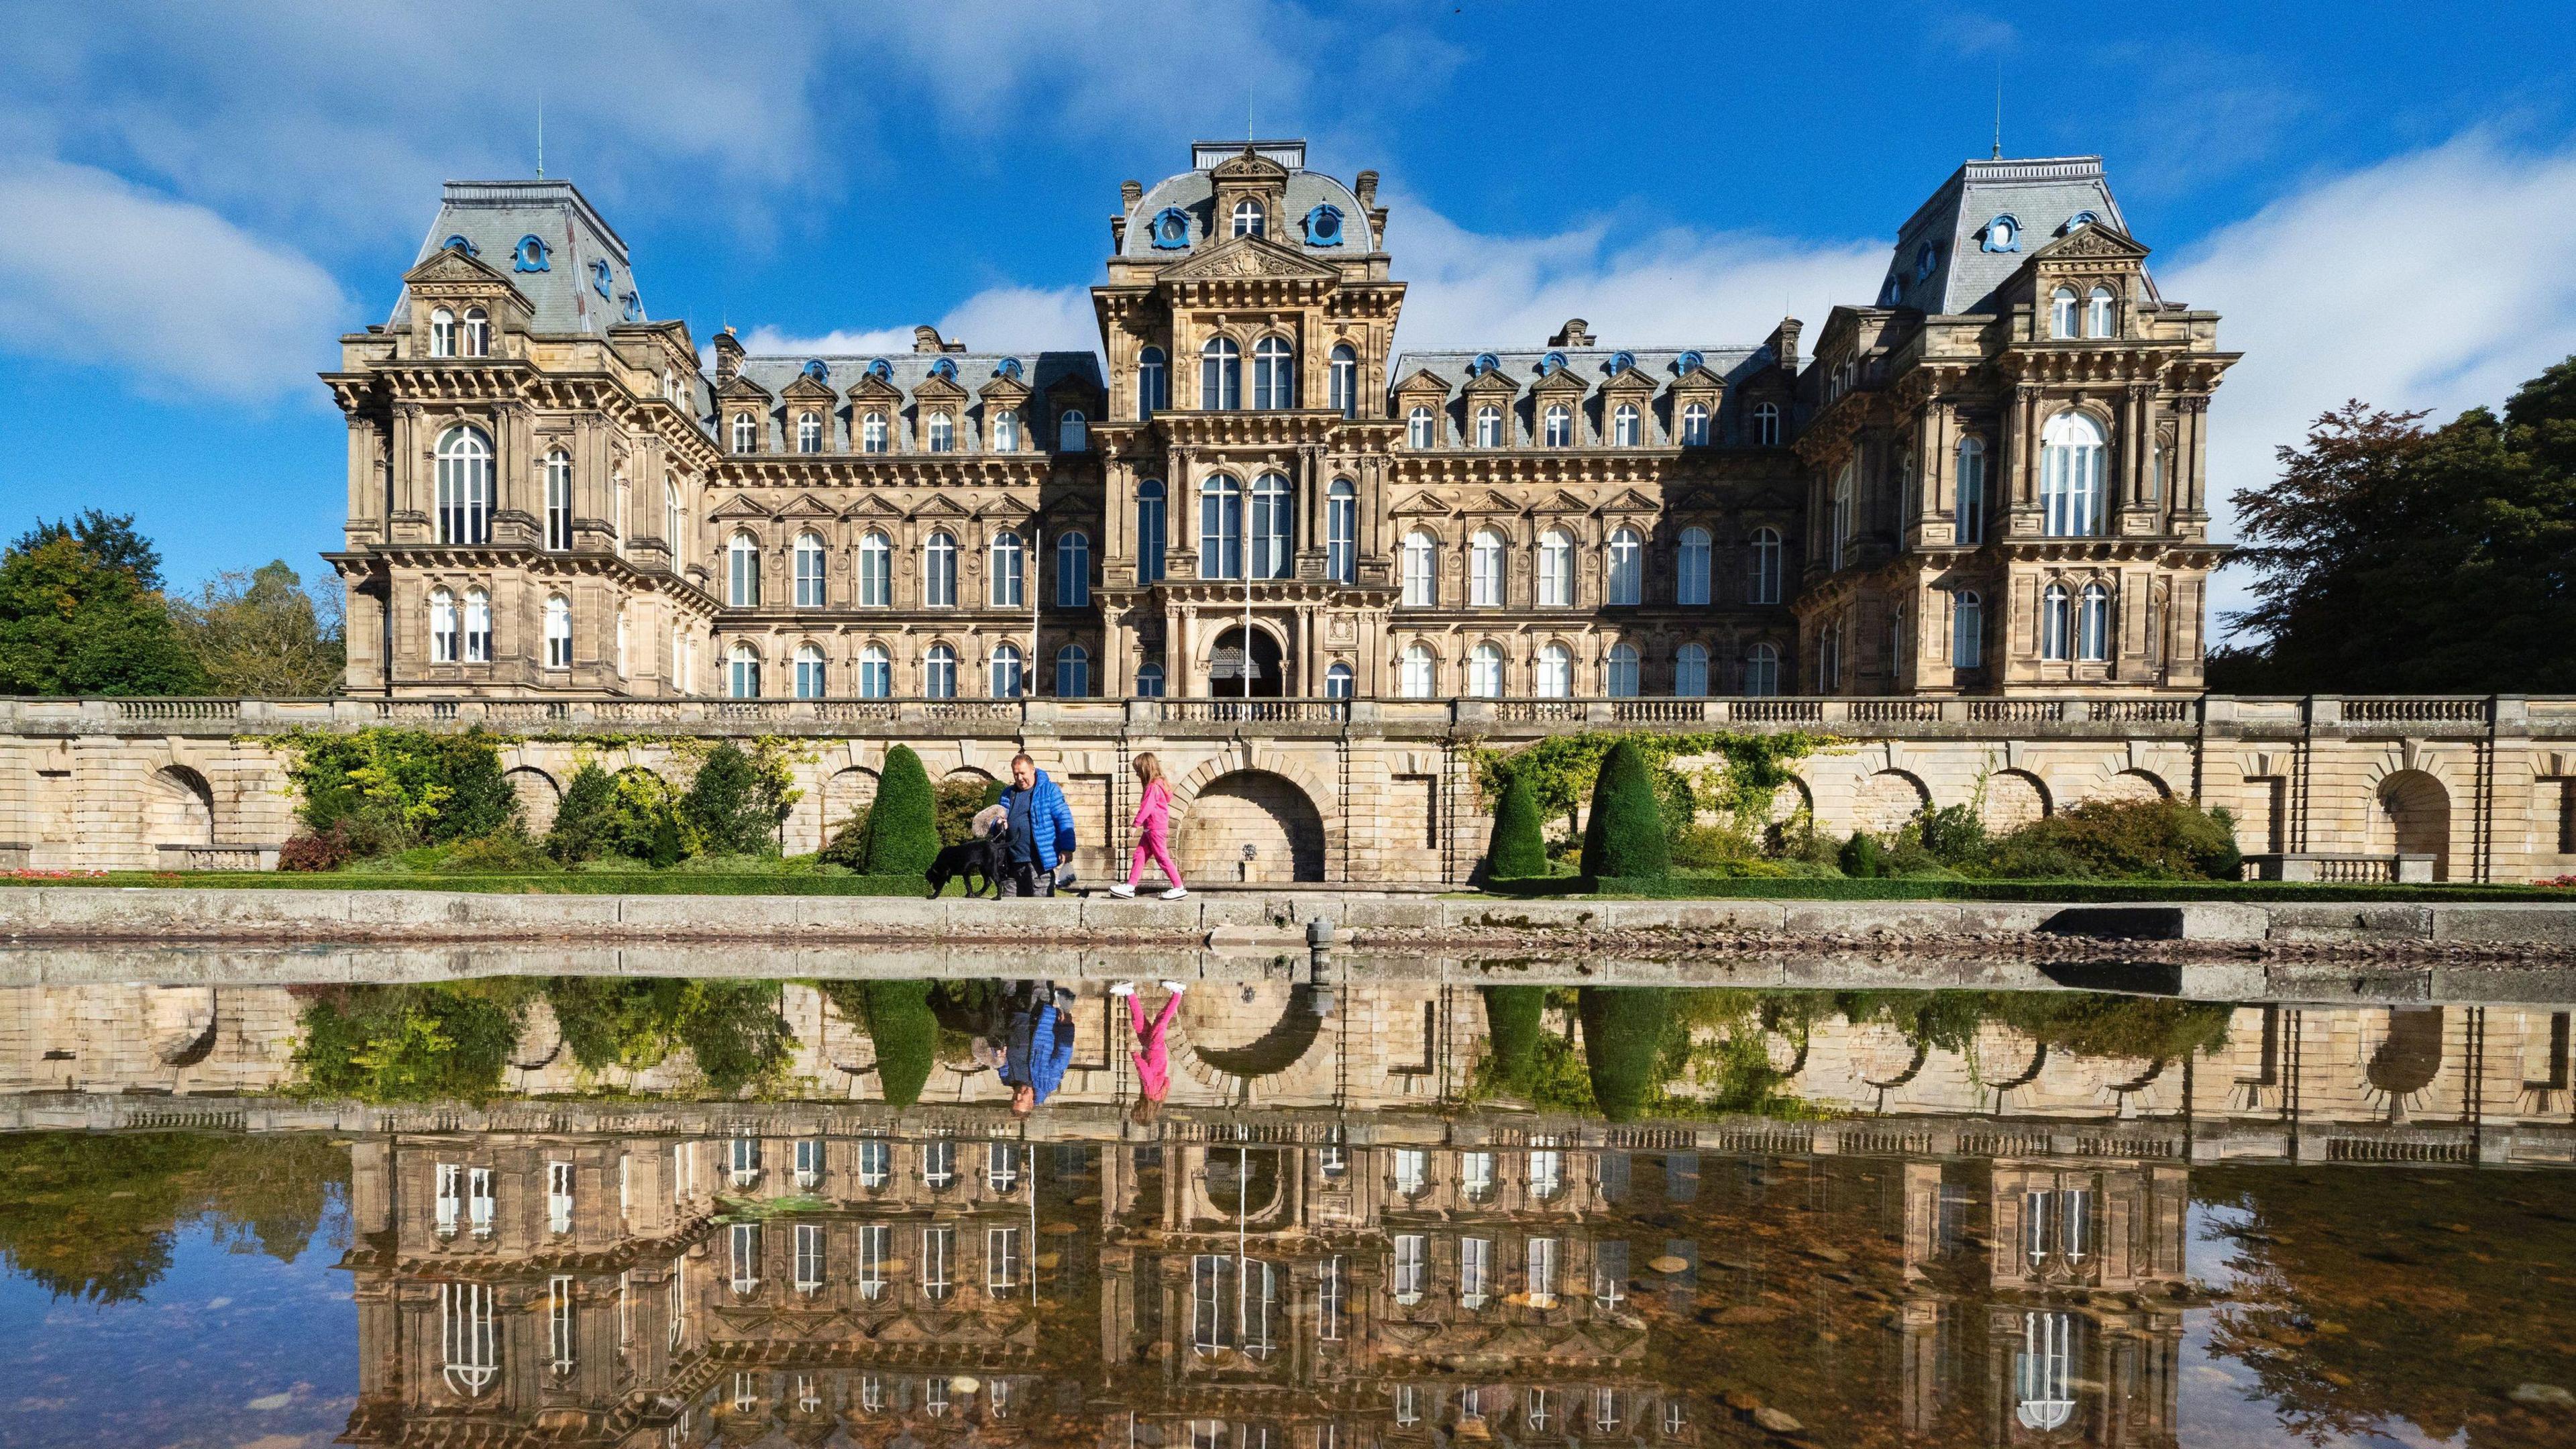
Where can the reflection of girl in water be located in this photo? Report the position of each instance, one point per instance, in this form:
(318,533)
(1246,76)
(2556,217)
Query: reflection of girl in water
(1152,1058)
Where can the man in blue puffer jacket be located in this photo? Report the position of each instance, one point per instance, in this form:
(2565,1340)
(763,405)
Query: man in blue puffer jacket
(1041,830)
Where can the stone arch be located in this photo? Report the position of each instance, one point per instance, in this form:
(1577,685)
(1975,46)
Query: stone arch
(1220,808)
(1886,800)
(847,793)
(1790,799)
(2013,799)
(179,808)
(2134,785)
(182,1022)
(1229,1045)
(539,794)
(2411,815)
(540,1037)
(2409,1057)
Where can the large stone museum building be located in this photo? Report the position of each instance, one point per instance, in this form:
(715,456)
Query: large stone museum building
(1988,480)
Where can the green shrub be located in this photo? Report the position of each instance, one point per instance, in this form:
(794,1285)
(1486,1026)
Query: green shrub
(1861,858)
(902,831)
(445,1042)
(503,852)
(732,1029)
(1625,835)
(733,806)
(1624,1031)
(959,801)
(1514,1018)
(899,1022)
(2140,839)
(1517,847)
(400,787)
(582,825)
(848,847)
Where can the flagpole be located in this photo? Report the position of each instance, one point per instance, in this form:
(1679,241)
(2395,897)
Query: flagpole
(1028,681)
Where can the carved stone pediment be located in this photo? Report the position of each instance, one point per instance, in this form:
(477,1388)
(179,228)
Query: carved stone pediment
(806,389)
(1006,508)
(740,388)
(1563,502)
(2099,241)
(1248,166)
(1423,503)
(452,268)
(1492,502)
(1248,257)
(1561,383)
(1422,380)
(1630,501)
(806,505)
(873,505)
(871,388)
(938,389)
(940,506)
(1490,384)
(740,507)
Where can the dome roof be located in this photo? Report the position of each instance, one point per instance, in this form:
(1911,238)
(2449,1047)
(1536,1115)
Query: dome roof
(1192,194)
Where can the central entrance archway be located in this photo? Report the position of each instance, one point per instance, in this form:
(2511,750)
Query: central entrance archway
(1225,678)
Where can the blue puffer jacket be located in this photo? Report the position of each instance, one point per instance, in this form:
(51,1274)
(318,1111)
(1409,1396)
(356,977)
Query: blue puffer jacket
(1041,1049)
(1051,817)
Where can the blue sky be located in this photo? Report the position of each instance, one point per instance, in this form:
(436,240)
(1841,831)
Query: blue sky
(195,201)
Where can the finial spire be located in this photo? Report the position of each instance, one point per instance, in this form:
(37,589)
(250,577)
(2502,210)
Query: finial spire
(1999,109)
(541,134)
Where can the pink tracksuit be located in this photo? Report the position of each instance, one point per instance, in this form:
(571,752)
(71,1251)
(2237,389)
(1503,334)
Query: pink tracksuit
(1153,1063)
(1153,826)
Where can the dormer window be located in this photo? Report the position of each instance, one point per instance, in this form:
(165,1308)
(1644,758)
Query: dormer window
(1324,226)
(458,243)
(881,370)
(2003,234)
(1554,362)
(477,338)
(1695,426)
(442,333)
(599,277)
(1485,362)
(1560,426)
(2081,218)
(1073,432)
(532,255)
(1008,368)
(1171,229)
(945,369)
(1489,427)
(1624,426)
(2061,312)
(1888,294)
(1622,362)
(2099,310)
(1248,220)
(1688,363)
(630,306)
(1926,258)
(816,369)
(1006,431)
(872,433)
(809,434)
(943,432)
(1417,428)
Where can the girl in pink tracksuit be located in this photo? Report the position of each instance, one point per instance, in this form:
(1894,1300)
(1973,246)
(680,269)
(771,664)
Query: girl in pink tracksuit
(1153,829)
(1153,1059)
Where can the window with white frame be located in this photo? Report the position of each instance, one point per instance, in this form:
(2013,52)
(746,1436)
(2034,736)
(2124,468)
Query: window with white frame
(939,673)
(1967,629)
(1008,567)
(1556,672)
(812,678)
(1540,1283)
(876,1247)
(874,436)
(1006,431)
(558,622)
(2056,623)
(742,1160)
(1556,569)
(938,1263)
(1274,528)
(1622,679)
(876,673)
(1345,381)
(1149,681)
(2071,451)
(477,339)
(941,432)
(809,1163)
(1766,425)
(1475,1272)
(809,1259)
(746,433)
(559,1325)
(1695,425)
(1412,1268)
(1153,382)
(469,1337)
(1485,672)
(876,1162)
(464,471)
(1846,512)
(1626,426)
(1489,427)
(1421,570)
(1690,671)
(2093,625)
(939,570)
(621,640)
(1221,375)
(1338,680)
(742,672)
(742,571)
(448,1205)
(2061,312)
(809,433)
(744,1255)
(1073,569)
(1627,563)
(478,627)
(876,571)
(1418,430)
(442,333)
(810,561)
(672,532)
(1341,532)
(2099,313)
(1248,219)
(1001,1166)
(1220,527)
(1072,432)
(1331,1301)
(558,500)
(1149,531)
(1763,567)
(1762,671)
(2044,1371)
(1609,1272)
(1691,559)
(1559,426)
(1485,555)
(938,1163)
(1001,1262)
(1006,671)
(1274,380)
(478,1201)
(1072,672)
(445,646)
(1476,1176)
(1421,672)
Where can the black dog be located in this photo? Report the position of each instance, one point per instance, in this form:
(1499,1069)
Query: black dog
(970,859)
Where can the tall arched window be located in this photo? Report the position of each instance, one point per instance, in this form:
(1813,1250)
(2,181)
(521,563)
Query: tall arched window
(2061,312)
(1622,680)
(1346,381)
(444,645)
(1690,578)
(469,1337)
(1766,425)
(1006,672)
(2044,1371)
(1072,431)
(1342,532)
(939,571)
(442,333)
(742,571)
(2093,625)
(1690,671)
(558,632)
(876,571)
(1762,671)
(809,433)
(1485,554)
(477,338)
(1421,672)
(478,627)
(1485,672)
(1274,528)
(1695,426)
(1625,426)
(811,680)
(1970,524)
(1763,567)
(1220,528)
(876,673)
(809,570)
(939,673)
(1967,630)
(1556,672)
(558,500)
(1007,564)
(1274,380)
(1421,570)
(1153,382)
(2070,476)
(1846,512)
(1248,220)
(2098,313)
(1006,431)
(873,434)
(942,432)
(1072,672)
(1556,569)
(746,433)
(1489,427)
(2056,623)
(1417,428)
(1149,531)
(742,672)
(1337,681)
(1559,430)
(1220,375)
(1072,569)
(671,529)
(1149,681)
(464,486)
(1627,558)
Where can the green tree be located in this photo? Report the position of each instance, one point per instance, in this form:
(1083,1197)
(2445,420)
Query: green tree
(263,633)
(1625,836)
(733,806)
(582,824)
(81,612)
(403,786)
(1861,858)
(959,801)
(902,831)
(1514,1018)
(899,1023)
(1624,1031)
(1517,848)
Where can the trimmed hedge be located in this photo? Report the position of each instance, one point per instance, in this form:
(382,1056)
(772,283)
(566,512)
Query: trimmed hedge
(1623,1044)
(1517,847)
(903,821)
(2076,892)
(1624,837)
(1514,1016)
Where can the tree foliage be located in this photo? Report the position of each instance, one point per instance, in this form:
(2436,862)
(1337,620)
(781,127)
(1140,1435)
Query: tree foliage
(93,1216)
(1515,1016)
(1625,835)
(736,803)
(732,1030)
(1562,769)
(581,828)
(900,1024)
(433,1043)
(264,633)
(1624,1038)
(902,828)
(1517,848)
(402,787)
(81,612)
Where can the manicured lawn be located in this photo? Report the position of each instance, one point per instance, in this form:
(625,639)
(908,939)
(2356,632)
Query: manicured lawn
(1828,888)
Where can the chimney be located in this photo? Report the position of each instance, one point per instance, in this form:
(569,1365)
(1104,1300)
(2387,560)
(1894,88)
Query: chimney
(925,338)
(1783,343)
(1131,192)
(1364,186)
(1575,333)
(728,356)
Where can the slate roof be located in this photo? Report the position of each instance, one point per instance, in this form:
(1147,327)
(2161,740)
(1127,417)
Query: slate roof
(1732,362)
(1194,192)
(568,295)
(907,371)
(1958,276)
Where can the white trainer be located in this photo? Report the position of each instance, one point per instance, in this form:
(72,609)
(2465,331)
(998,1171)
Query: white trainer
(1123,892)
(1176,894)
(1173,987)
(1122,988)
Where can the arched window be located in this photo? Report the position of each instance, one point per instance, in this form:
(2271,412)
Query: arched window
(1417,428)
(1970,525)
(1622,680)
(2061,312)
(1559,426)
(809,433)
(2070,476)
(1007,563)
(558,632)
(1342,532)
(2044,1371)
(1274,529)
(558,500)
(1766,425)
(1762,671)
(1627,567)
(671,525)
(2093,625)
(442,333)
(444,646)
(1220,375)
(742,672)
(1846,514)
(464,486)
(1421,672)
(746,433)
(742,571)
(1220,528)
(1006,672)
(939,673)
(1421,570)
(478,627)
(1556,672)
(1489,427)
(1337,680)
(939,571)
(876,571)
(942,432)
(876,673)
(1274,380)
(1690,579)
(1556,569)
(1695,426)
(872,433)
(1072,672)
(1006,431)
(1690,671)
(1149,681)
(1248,220)
(1153,382)
(1485,672)
(809,570)
(1967,630)
(1073,570)
(1149,531)
(1624,428)
(810,676)
(1485,554)
(1762,567)
(2056,623)
(1346,381)
(2098,313)
(477,341)
(1072,432)
(469,1337)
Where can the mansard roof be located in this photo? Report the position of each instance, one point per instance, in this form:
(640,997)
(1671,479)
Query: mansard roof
(906,372)
(1946,265)
(578,280)
(1592,366)
(1193,194)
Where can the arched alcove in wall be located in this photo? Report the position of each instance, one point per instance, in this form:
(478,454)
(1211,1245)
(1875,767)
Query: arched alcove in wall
(539,794)
(2013,799)
(2412,816)
(1254,808)
(1886,800)
(179,808)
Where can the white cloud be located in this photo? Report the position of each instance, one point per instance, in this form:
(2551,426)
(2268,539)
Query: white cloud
(997,319)
(2438,279)
(96,270)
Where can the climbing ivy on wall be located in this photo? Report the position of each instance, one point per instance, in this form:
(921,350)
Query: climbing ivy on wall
(1561,769)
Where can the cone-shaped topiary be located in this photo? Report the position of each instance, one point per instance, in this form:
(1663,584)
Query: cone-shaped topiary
(1623,1045)
(906,1037)
(903,824)
(1861,859)
(1625,836)
(1514,1016)
(580,831)
(1517,848)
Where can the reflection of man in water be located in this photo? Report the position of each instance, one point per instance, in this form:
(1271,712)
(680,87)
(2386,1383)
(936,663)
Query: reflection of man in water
(1038,1045)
